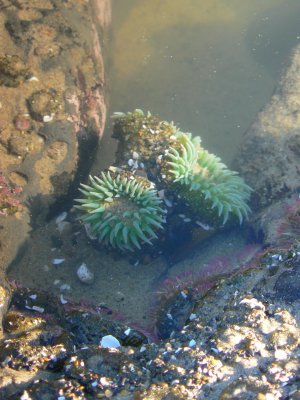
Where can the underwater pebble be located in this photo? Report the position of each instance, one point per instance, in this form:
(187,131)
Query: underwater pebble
(61,217)
(65,287)
(61,226)
(84,274)
(33,296)
(57,261)
(142,165)
(192,343)
(130,162)
(110,341)
(192,317)
(135,155)
(127,332)
(187,220)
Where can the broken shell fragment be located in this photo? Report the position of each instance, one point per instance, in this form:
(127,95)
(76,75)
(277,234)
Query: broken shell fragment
(84,274)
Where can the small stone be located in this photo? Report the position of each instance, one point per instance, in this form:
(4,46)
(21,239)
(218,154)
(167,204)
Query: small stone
(61,217)
(84,274)
(108,393)
(22,122)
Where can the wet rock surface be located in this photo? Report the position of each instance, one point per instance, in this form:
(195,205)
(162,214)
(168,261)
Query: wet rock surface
(269,156)
(42,128)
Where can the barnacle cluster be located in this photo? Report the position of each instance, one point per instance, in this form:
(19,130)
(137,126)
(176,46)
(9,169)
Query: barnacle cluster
(121,209)
(209,187)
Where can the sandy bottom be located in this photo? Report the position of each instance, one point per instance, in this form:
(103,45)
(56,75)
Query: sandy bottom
(120,283)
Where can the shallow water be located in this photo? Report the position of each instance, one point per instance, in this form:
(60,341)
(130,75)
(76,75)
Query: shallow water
(208,65)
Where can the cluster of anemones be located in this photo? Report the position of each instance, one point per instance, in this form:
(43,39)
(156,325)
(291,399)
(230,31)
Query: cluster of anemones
(124,210)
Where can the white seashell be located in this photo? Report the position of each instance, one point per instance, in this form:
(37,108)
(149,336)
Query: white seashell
(62,299)
(61,217)
(84,274)
(203,226)
(135,155)
(110,341)
(57,261)
(36,308)
(127,332)
(33,78)
(48,118)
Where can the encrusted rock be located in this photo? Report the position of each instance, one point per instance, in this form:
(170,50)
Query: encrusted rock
(12,70)
(43,105)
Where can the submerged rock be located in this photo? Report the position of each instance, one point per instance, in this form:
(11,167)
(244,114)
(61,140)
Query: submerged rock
(12,70)
(269,156)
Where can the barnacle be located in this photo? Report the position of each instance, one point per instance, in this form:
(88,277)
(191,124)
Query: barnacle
(204,182)
(122,210)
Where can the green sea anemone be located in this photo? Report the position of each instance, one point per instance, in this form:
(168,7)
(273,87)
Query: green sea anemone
(121,209)
(204,182)
(183,157)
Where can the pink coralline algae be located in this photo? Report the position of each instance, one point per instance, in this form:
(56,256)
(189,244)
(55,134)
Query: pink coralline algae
(289,228)
(177,296)
(9,204)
